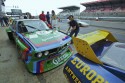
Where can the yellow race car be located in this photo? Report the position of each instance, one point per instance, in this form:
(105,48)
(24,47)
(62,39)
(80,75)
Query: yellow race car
(100,59)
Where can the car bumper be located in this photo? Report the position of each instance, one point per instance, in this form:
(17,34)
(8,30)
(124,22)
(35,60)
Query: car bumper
(46,65)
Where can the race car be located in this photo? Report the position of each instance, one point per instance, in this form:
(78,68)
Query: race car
(81,23)
(40,48)
(100,59)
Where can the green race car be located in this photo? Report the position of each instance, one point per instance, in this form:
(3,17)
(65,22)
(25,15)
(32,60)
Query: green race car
(40,48)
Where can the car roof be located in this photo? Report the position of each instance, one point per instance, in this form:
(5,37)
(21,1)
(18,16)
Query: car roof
(25,19)
(114,55)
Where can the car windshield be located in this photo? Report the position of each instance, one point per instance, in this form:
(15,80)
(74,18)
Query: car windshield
(33,25)
(115,55)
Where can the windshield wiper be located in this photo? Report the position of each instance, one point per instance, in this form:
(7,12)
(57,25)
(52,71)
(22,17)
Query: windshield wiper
(32,27)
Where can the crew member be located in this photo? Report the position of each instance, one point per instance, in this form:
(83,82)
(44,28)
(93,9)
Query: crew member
(73,25)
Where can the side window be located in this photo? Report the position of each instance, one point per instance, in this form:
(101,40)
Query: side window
(21,27)
(14,25)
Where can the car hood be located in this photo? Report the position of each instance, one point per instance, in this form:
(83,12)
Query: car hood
(46,39)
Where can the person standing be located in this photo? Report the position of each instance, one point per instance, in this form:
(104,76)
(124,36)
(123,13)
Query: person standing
(48,18)
(25,17)
(6,20)
(42,16)
(1,21)
(53,19)
(73,25)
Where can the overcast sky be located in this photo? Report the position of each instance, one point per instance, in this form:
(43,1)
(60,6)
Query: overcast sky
(36,6)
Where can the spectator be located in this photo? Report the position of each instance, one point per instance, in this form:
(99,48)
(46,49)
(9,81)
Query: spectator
(6,20)
(53,19)
(1,21)
(74,25)
(42,16)
(10,20)
(48,18)
(25,17)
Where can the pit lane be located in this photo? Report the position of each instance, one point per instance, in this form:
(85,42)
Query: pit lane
(12,69)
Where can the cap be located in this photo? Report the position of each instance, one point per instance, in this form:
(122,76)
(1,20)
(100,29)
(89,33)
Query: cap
(70,16)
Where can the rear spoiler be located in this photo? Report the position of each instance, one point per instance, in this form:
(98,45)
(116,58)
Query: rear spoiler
(83,43)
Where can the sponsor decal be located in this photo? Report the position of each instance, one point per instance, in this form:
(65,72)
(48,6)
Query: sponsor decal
(50,38)
(85,69)
(42,32)
(59,59)
(47,38)
(33,36)
(71,73)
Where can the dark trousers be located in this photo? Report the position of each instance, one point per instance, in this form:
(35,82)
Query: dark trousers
(6,22)
(74,32)
(48,22)
(2,23)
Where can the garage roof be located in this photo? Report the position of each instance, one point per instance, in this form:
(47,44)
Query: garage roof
(70,8)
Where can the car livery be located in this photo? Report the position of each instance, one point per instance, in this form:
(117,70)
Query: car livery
(100,59)
(40,48)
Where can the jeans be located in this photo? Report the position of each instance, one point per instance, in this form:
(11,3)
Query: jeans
(74,32)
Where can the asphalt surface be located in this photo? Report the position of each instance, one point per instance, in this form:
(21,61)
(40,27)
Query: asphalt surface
(119,34)
(12,69)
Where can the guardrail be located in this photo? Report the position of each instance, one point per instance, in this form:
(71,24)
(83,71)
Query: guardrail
(104,23)
(108,24)
(113,19)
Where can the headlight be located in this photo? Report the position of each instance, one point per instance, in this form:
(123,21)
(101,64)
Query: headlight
(68,43)
(39,55)
(46,53)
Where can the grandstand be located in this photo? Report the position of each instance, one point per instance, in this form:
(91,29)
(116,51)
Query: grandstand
(17,13)
(69,10)
(108,10)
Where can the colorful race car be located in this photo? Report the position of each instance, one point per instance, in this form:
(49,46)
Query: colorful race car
(40,48)
(100,59)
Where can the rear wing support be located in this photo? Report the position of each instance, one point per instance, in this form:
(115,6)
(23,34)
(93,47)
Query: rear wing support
(83,43)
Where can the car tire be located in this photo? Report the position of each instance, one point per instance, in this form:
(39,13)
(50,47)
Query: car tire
(80,25)
(10,36)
